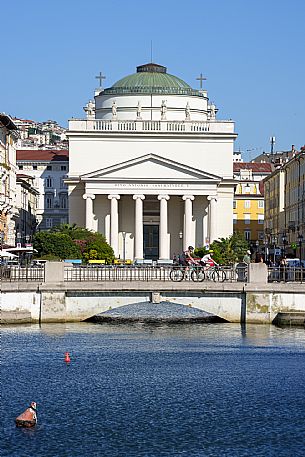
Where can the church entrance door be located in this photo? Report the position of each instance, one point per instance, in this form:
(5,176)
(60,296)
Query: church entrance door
(151,241)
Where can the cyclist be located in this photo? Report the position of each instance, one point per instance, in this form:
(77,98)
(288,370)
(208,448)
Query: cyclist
(188,256)
(207,260)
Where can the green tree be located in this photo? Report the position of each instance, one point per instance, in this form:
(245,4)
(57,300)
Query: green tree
(55,244)
(227,250)
(91,245)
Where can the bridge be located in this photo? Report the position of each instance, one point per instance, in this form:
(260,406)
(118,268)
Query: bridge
(55,299)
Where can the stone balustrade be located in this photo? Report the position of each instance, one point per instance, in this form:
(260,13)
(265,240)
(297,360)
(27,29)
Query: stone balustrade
(151,126)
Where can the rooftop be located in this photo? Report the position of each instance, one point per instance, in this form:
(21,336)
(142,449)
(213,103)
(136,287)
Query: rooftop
(41,155)
(263,167)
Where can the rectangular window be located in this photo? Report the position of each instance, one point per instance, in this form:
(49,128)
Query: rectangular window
(63,167)
(261,203)
(49,167)
(20,167)
(49,223)
(247,218)
(260,218)
(48,182)
(49,202)
(247,204)
(234,218)
(34,167)
(247,234)
(234,204)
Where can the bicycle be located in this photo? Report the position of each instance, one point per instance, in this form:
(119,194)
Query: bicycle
(195,272)
(216,273)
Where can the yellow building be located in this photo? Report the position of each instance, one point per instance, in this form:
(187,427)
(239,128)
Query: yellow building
(248,204)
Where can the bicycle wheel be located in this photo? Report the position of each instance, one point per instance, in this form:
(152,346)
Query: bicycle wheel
(176,275)
(215,275)
(197,275)
(218,275)
(222,275)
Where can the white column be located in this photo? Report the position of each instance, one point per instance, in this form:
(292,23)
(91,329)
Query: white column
(188,219)
(163,235)
(89,210)
(114,224)
(212,218)
(138,250)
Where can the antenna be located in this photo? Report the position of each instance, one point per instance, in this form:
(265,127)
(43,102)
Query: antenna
(272,142)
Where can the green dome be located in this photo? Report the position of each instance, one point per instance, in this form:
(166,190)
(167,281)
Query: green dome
(151,79)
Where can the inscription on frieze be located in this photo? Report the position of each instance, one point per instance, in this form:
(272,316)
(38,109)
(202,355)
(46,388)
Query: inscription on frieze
(152,186)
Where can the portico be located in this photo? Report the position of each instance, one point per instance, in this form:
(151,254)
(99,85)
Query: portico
(170,205)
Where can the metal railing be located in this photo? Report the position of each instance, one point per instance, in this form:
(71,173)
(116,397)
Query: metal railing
(149,273)
(286,274)
(19,274)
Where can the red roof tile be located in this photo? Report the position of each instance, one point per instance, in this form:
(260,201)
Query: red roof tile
(255,167)
(40,155)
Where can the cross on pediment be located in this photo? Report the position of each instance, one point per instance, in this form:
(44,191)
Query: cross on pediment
(100,77)
(201,78)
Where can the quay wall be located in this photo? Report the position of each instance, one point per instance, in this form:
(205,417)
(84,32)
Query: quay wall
(74,302)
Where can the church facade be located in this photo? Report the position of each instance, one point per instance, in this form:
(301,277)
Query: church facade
(151,167)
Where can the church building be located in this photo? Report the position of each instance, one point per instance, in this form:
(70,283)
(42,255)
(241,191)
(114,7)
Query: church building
(151,167)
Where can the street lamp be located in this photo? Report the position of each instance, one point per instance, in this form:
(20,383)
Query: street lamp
(300,240)
(124,246)
(284,241)
(274,242)
(266,241)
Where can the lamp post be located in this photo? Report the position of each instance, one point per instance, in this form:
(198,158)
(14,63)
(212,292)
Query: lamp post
(284,241)
(274,241)
(124,246)
(266,248)
(300,240)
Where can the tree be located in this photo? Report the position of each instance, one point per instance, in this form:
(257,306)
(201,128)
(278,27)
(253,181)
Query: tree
(58,245)
(226,250)
(90,245)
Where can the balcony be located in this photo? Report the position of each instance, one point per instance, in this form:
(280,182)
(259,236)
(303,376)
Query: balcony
(145,126)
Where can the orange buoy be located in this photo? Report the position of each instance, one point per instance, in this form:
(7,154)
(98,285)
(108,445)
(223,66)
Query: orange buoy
(29,417)
(67,357)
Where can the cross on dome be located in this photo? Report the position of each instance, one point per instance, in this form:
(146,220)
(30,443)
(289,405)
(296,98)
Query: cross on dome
(100,77)
(201,78)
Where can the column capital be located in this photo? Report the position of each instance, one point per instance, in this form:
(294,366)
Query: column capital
(188,197)
(117,197)
(140,196)
(85,196)
(212,197)
(165,197)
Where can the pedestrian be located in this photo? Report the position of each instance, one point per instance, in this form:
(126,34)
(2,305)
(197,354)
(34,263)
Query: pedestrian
(283,269)
(247,257)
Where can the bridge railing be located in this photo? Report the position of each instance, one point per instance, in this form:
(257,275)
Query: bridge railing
(148,273)
(22,274)
(286,274)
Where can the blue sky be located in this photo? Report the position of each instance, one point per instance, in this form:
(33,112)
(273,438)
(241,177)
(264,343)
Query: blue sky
(252,53)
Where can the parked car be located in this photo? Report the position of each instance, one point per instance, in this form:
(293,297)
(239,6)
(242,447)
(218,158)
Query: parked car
(295,263)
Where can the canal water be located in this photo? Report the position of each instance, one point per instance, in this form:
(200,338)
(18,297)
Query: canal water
(154,390)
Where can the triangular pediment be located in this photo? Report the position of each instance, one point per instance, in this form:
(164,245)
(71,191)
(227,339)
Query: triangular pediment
(150,167)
